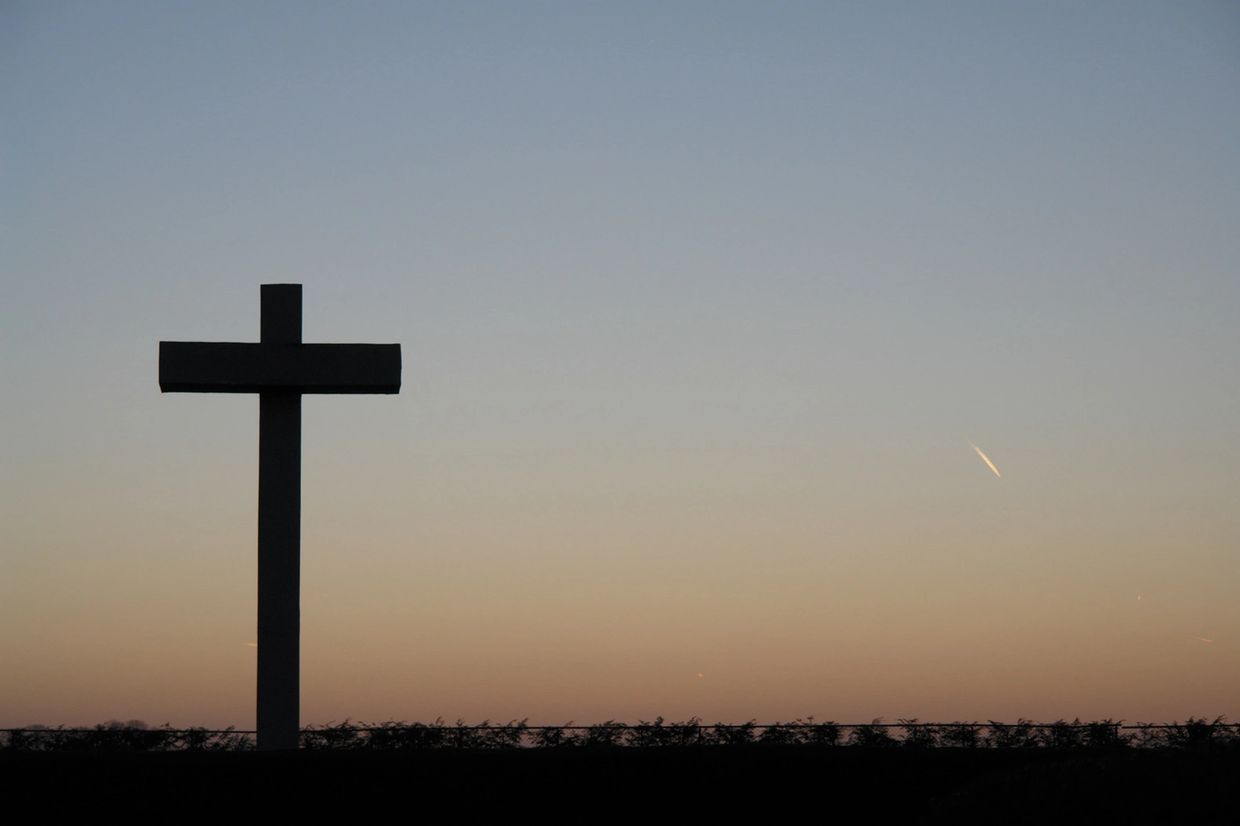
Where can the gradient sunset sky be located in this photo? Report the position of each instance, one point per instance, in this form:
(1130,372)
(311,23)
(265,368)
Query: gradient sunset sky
(703,307)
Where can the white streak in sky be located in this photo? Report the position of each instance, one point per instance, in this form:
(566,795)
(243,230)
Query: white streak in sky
(986,459)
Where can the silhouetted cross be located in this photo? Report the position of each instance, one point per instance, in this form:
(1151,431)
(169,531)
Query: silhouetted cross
(279,369)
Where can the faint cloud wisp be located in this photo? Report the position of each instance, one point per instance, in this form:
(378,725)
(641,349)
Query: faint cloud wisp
(986,459)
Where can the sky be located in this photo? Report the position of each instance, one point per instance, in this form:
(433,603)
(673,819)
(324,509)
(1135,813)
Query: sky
(703,307)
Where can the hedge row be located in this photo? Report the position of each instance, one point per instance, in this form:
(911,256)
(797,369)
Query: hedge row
(136,736)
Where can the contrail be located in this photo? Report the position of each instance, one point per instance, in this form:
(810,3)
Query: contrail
(986,459)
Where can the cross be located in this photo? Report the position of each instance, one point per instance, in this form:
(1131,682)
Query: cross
(279,369)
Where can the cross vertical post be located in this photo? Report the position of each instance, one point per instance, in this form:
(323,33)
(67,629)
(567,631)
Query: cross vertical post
(279,533)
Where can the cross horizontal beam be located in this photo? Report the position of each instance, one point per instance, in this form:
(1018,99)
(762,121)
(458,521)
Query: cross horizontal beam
(223,367)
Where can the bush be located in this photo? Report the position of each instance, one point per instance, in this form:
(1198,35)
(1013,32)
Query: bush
(871,735)
(1019,735)
(919,735)
(659,733)
(961,735)
(724,734)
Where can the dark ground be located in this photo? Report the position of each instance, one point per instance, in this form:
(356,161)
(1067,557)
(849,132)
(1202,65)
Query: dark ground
(763,783)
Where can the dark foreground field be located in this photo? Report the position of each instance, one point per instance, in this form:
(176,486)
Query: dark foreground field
(798,782)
